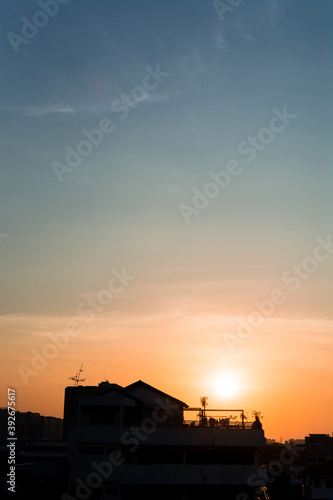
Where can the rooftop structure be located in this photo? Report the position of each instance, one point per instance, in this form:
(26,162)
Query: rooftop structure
(123,442)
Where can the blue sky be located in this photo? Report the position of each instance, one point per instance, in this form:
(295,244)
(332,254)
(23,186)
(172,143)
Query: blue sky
(120,206)
(225,77)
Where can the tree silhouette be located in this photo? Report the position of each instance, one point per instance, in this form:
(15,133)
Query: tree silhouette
(204,404)
(244,417)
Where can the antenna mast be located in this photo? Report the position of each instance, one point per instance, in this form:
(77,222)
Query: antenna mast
(77,378)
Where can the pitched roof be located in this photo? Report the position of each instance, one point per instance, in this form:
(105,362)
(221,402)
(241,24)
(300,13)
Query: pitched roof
(142,384)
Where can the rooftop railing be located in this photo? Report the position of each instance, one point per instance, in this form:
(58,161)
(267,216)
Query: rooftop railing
(223,423)
(220,418)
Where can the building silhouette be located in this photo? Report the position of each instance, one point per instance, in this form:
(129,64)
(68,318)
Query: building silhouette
(123,442)
(32,426)
(136,440)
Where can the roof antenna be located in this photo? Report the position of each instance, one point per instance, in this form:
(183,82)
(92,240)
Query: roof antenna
(77,378)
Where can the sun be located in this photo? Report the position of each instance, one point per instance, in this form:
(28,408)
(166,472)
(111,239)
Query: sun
(227,385)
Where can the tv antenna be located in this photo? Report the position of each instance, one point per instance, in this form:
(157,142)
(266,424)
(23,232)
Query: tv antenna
(77,378)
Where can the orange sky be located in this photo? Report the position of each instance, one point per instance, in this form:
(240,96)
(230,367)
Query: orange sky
(282,369)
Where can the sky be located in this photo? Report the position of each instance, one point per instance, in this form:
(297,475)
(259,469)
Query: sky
(166,208)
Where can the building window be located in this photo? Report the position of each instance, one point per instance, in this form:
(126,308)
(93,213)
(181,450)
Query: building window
(103,415)
(329,483)
(316,483)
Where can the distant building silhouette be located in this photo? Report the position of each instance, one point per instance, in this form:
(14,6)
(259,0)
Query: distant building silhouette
(320,448)
(32,426)
(317,481)
(317,450)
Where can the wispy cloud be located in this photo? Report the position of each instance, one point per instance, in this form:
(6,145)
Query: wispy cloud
(39,111)
(54,109)
(151,99)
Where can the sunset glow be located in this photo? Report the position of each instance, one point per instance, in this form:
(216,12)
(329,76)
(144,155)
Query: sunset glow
(167,205)
(227,386)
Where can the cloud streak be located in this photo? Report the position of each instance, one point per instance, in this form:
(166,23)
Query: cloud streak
(39,111)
